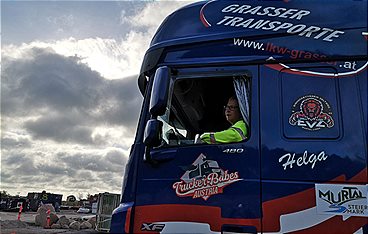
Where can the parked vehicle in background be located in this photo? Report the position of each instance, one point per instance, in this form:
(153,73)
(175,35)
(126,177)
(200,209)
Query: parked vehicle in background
(35,199)
(84,210)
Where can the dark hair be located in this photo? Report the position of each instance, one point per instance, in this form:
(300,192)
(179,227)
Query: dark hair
(233,97)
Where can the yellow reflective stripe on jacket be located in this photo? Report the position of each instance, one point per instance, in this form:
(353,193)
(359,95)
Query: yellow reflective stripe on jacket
(236,133)
(240,132)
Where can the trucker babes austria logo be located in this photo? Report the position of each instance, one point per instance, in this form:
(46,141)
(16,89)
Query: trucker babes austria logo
(311,113)
(203,179)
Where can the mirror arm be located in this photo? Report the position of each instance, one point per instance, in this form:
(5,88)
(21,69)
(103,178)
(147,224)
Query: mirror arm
(148,159)
(147,154)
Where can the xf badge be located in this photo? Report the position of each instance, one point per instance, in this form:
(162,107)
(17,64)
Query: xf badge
(157,227)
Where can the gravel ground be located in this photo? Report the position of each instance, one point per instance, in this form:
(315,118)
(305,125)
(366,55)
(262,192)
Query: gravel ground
(10,224)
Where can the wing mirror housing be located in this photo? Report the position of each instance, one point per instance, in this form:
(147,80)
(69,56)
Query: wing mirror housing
(160,90)
(153,133)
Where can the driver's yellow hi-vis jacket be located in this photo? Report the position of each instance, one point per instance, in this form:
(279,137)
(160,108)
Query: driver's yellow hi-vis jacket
(236,133)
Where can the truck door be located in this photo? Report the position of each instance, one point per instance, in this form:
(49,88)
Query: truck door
(313,155)
(201,188)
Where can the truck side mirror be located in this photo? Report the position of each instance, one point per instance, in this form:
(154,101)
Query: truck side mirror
(159,94)
(153,133)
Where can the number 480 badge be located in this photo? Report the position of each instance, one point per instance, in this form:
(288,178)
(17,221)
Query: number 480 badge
(233,151)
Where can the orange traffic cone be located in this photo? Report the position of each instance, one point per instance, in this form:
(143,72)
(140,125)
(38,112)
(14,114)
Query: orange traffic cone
(48,218)
(20,211)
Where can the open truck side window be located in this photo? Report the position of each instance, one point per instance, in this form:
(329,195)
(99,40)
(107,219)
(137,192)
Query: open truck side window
(196,105)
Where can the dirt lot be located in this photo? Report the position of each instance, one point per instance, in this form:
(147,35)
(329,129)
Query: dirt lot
(26,225)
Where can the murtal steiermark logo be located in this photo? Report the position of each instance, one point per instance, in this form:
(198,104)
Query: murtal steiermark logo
(337,201)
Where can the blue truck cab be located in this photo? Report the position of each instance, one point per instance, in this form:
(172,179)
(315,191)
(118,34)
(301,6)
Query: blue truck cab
(299,71)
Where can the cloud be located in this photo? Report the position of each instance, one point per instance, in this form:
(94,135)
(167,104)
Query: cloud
(70,107)
(112,58)
(73,169)
(97,162)
(153,13)
(11,140)
(66,97)
(62,123)
(60,129)
(42,78)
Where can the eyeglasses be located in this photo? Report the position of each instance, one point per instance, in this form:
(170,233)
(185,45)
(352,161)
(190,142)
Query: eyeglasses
(232,108)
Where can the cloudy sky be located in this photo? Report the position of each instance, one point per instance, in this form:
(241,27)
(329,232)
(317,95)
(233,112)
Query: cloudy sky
(69,93)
